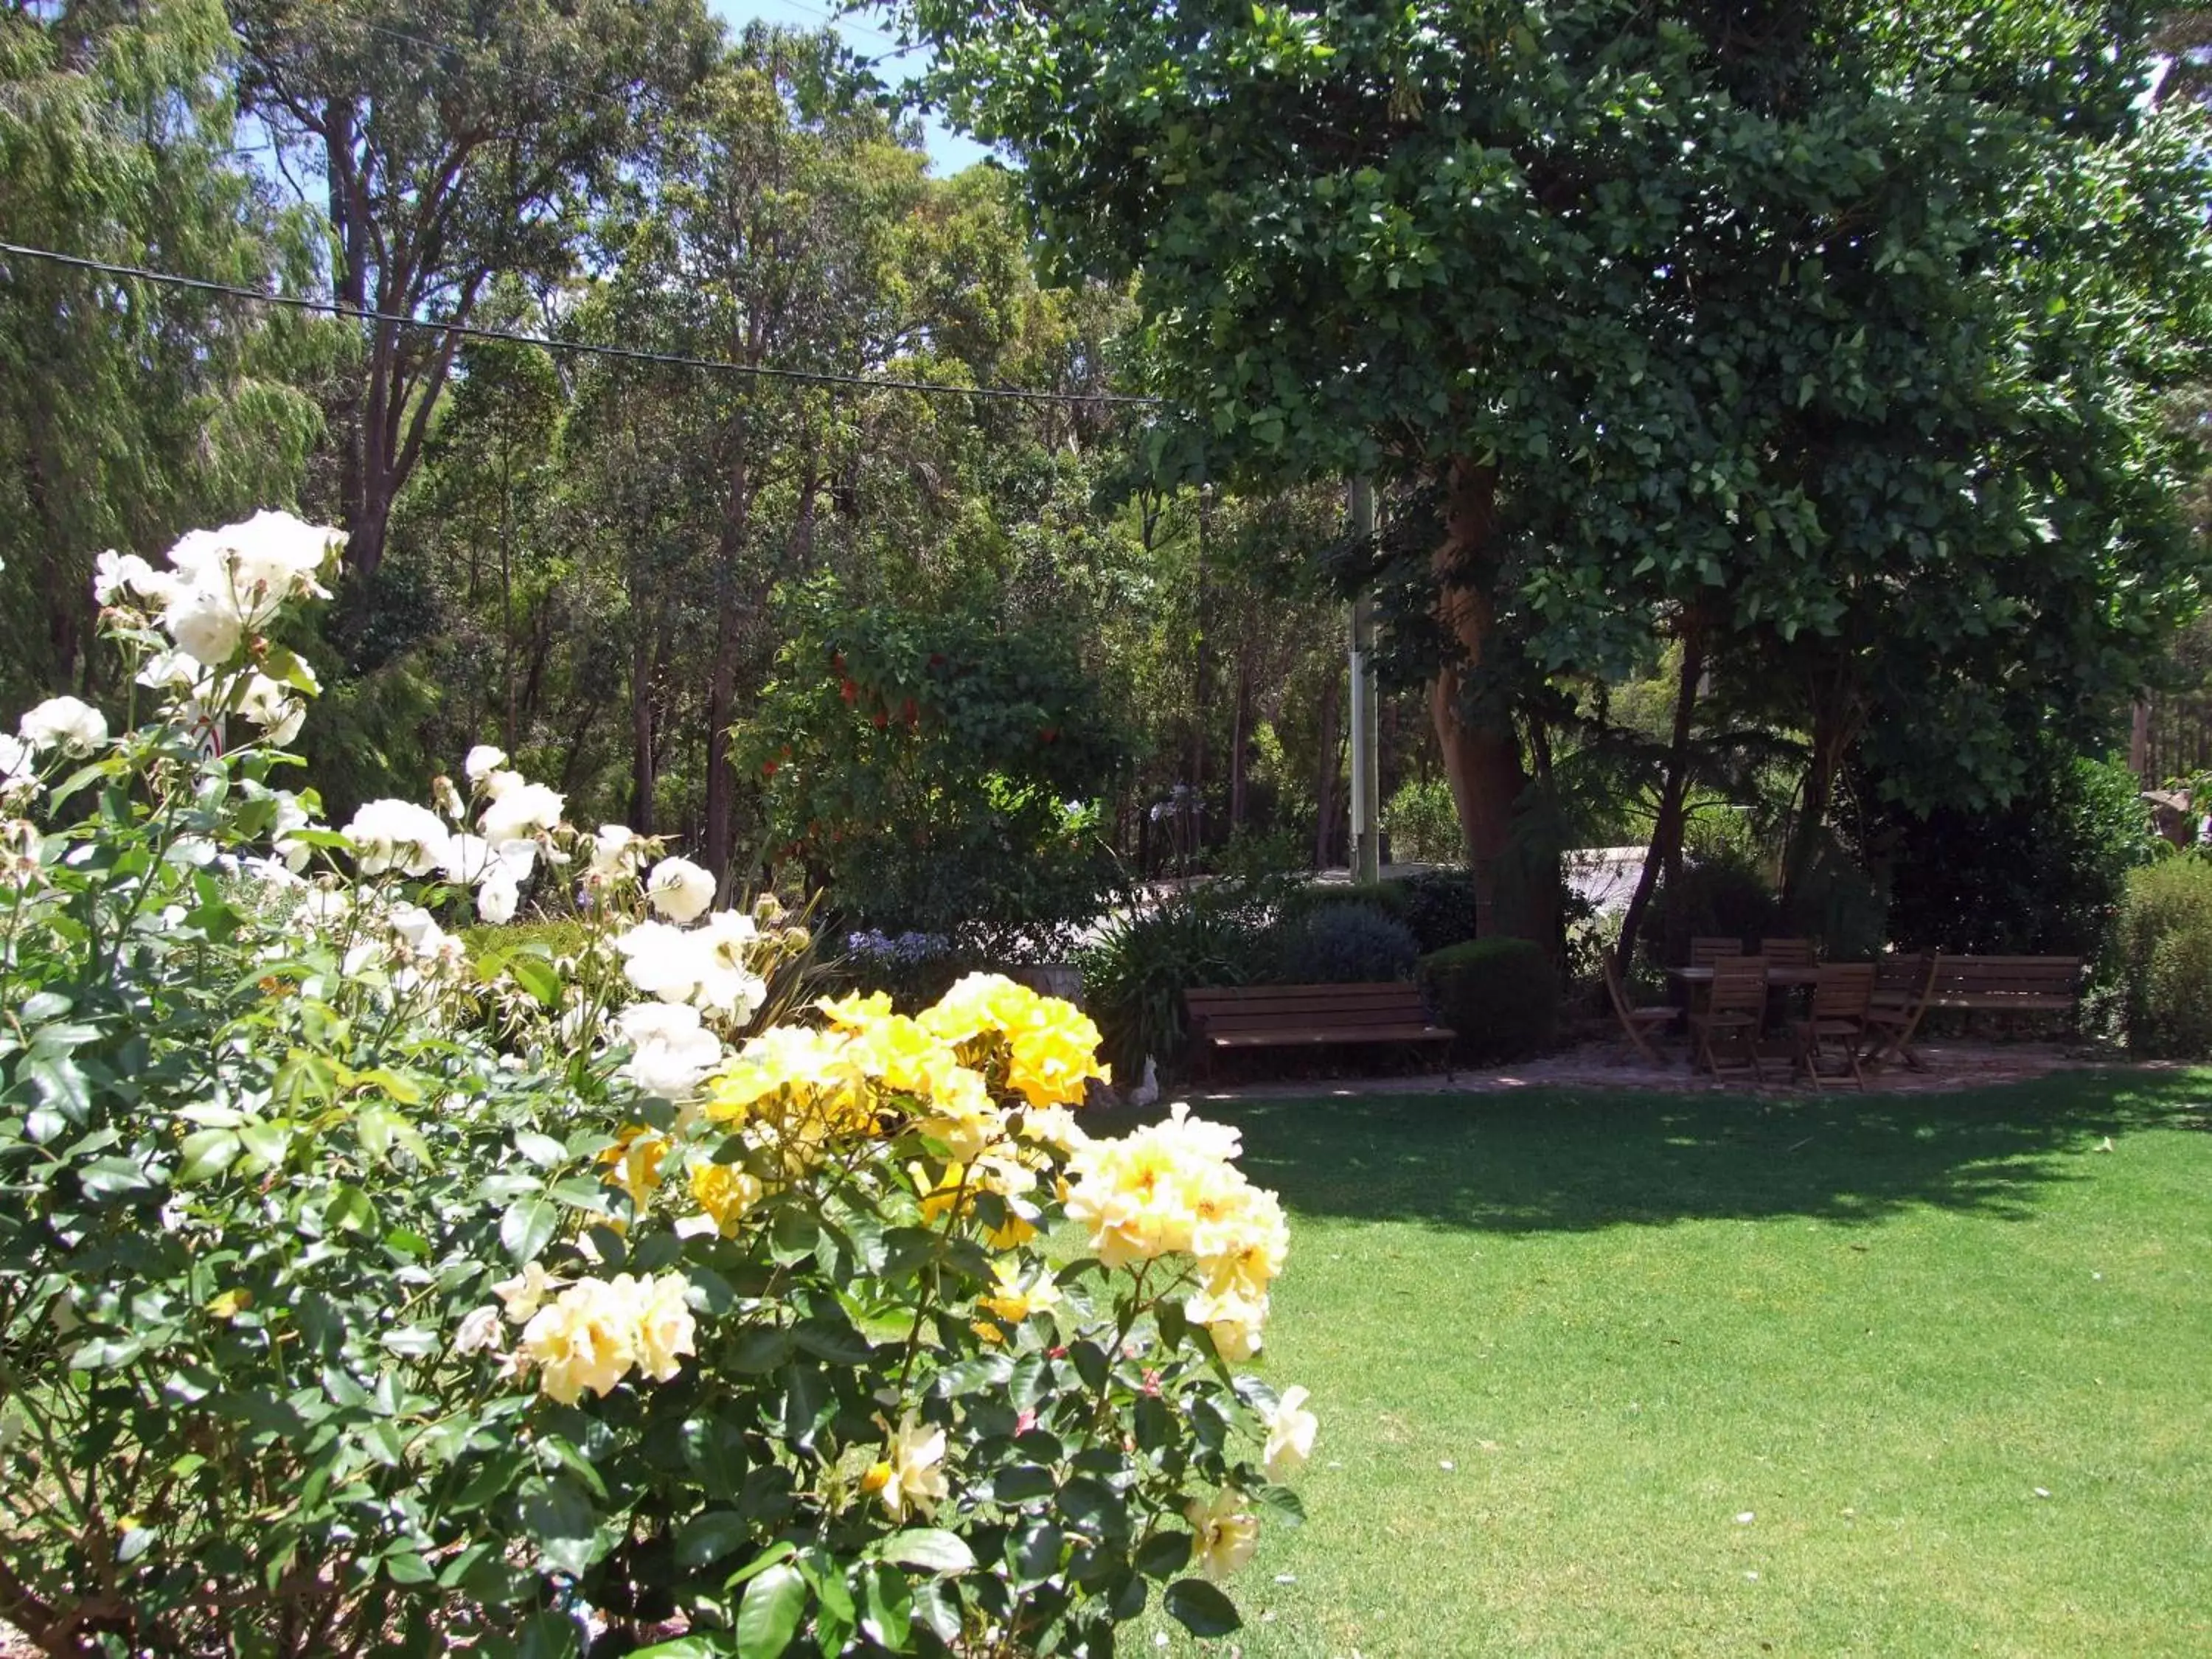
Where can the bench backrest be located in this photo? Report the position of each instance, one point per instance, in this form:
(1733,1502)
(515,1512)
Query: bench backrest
(1305,1007)
(2007,975)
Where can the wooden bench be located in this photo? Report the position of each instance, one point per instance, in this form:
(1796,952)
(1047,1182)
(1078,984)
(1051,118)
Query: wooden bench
(1308,1017)
(1979,985)
(2007,985)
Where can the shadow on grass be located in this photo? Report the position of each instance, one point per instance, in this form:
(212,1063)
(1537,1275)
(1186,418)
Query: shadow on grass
(1560,1160)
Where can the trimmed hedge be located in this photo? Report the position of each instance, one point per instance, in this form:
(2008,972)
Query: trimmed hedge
(1500,996)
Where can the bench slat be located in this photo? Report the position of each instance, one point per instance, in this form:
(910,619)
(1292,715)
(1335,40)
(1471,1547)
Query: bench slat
(1308,1015)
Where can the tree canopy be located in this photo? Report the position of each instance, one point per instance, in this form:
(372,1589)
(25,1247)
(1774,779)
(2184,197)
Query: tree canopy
(1841,328)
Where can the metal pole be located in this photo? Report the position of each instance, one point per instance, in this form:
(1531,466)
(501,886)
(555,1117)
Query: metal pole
(1366,719)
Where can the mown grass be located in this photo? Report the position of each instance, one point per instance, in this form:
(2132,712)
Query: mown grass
(1639,1374)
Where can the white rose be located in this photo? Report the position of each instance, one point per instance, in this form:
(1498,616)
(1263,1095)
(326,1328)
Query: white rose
(670,1064)
(207,627)
(679,889)
(498,896)
(270,705)
(396,834)
(612,856)
(19,774)
(66,723)
(114,574)
(481,1331)
(482,759)
(656,1022)
(524,810)
(254,567)
(661,960)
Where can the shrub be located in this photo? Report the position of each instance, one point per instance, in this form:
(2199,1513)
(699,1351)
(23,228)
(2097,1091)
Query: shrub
(1342,944)
(1135,973)
(1422,820)
(1439,905)
(1499,995)
(2041,877)
(360,1294)
(2165,938)
(1723,894)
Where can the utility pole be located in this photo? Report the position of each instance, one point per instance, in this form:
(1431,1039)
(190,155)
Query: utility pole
(1366,727)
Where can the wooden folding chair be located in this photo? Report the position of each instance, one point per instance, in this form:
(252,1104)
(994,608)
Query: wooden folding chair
(1787,952)
(1636,1022)
(1903,987)
(1736,1010)
(1837,1026)
(1704,952)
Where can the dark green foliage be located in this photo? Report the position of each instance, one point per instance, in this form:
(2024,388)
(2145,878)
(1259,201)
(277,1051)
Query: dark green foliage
(1343,945)
(1723,894)
(2041,877)
(1135,974)
(936,768)
(1500,995)
(1439,906)
(2165,958)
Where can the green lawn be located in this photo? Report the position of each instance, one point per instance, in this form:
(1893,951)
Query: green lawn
(1639,1374)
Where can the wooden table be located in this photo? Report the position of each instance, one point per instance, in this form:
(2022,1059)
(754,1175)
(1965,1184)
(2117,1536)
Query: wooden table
(1788,977)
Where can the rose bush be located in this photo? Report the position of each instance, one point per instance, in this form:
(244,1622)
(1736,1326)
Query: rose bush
(362,1293)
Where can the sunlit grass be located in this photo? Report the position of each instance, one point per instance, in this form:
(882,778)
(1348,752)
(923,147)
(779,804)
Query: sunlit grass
(1626,1375)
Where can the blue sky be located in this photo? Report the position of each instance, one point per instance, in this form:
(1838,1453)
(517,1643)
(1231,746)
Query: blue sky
(868,31)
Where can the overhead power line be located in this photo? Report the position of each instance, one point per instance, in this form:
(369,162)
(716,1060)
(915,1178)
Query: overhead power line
(583,348)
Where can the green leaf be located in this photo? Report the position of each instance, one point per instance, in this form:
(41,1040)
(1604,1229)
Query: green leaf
(782,1550)
(60,1083)
(350,1210)
(886,1606)
(1201,1609)
(830,1337)
(113,1178)
(541,1149)
(526,1227)
(1021,1481)
(759,1348)
(548,1635)
(535,977)
(705,1539)
(1163,1554)
(1282,1502)
(930,1548)
(768,1616)
(207,1152)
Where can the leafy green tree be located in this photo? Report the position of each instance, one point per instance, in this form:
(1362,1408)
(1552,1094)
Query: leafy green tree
(940,769)
(1840,321)
(452,144)
(129,412)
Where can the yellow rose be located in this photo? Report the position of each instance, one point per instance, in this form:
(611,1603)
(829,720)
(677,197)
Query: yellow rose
(664,1326)
(1227,1532)
(585,1337)
(1011,1300)
(913,1472)
(1290,1431)
(634,1160)
(725,1191)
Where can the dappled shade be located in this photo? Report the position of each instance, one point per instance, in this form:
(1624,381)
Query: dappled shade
(1546,1161)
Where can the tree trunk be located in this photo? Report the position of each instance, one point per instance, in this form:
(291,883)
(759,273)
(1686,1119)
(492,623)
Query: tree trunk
(1836,719)
(1666,849)
(1481,751)
(643,775)
(722,681)
(1328,772)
